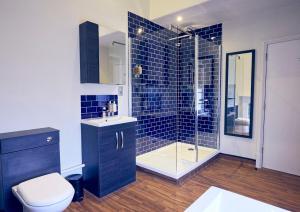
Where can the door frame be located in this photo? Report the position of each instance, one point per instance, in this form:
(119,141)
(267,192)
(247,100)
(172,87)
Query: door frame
(266,44)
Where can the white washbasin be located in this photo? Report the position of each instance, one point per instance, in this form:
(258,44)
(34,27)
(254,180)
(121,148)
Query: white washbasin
(107,121)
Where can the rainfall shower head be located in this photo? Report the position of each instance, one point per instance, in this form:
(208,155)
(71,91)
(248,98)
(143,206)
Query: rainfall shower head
(181,36)
(181,33)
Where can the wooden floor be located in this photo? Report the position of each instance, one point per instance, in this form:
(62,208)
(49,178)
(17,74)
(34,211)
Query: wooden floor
(151,193)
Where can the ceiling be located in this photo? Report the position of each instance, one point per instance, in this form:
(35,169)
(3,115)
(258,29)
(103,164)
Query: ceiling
(217,11)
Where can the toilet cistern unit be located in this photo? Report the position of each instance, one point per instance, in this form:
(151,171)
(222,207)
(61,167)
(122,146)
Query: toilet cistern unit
(29,173)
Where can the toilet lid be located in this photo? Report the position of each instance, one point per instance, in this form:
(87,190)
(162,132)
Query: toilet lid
(45,190)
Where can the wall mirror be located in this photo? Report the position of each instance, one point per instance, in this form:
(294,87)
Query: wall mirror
(239,93)
(112,56)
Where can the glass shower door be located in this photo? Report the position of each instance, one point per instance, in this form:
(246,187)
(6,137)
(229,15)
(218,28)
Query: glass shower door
(187,122)
(208,97)
(199,102)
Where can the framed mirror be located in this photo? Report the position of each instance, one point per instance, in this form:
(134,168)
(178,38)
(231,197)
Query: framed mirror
(239,93)
(112,56)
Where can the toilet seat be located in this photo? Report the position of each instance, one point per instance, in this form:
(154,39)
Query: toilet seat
(43,192)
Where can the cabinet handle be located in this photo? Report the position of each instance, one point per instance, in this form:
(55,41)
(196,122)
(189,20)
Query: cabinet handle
(122,139)
(49,139)
(117,140)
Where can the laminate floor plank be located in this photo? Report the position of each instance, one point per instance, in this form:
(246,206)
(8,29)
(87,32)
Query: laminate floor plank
(152,193)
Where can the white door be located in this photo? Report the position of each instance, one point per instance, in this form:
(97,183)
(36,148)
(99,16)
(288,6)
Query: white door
(282,114)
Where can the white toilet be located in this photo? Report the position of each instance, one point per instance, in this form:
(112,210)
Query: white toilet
(51,193)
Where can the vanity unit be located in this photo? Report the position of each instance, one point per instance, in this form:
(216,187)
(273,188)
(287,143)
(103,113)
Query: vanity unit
(108,152)
(26,155)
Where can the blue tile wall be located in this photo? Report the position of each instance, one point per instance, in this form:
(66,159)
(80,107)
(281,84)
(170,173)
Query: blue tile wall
(92,105)
(162,97)
(154,93)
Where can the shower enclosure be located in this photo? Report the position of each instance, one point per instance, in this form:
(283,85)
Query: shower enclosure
(176,95)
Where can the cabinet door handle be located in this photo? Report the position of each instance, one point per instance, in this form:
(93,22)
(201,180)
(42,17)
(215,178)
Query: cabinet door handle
(117,140)
(122,139)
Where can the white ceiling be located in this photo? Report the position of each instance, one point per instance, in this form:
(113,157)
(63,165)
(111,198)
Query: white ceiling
(218,11)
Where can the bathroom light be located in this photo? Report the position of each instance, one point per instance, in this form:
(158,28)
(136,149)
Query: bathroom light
(179,18)
(140,30)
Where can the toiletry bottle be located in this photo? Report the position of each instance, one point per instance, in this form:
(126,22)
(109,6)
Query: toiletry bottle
(110,108)
(103,112)
(114,107)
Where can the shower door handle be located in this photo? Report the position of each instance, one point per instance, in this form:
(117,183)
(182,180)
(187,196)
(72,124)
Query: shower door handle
(122,140)
(117,140)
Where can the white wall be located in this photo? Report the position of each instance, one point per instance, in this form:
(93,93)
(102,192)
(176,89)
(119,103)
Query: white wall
(39,64)
(159,8)
(249,32)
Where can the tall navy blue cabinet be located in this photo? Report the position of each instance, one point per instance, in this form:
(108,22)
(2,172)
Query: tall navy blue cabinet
(25,155)
(89,52)
(109,156)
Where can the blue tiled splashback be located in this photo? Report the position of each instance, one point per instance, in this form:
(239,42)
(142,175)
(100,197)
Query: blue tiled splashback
(92,105)
(162,97)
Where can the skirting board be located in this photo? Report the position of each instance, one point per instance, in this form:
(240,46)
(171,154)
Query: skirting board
(73,170)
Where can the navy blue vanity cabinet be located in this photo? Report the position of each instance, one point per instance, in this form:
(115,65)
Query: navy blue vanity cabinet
(127,156)
(109,155)
(109,173)
(26,155)
(89,52)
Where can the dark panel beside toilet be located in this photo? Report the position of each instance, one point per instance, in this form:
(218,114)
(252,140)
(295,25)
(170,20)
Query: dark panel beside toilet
(26,155)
